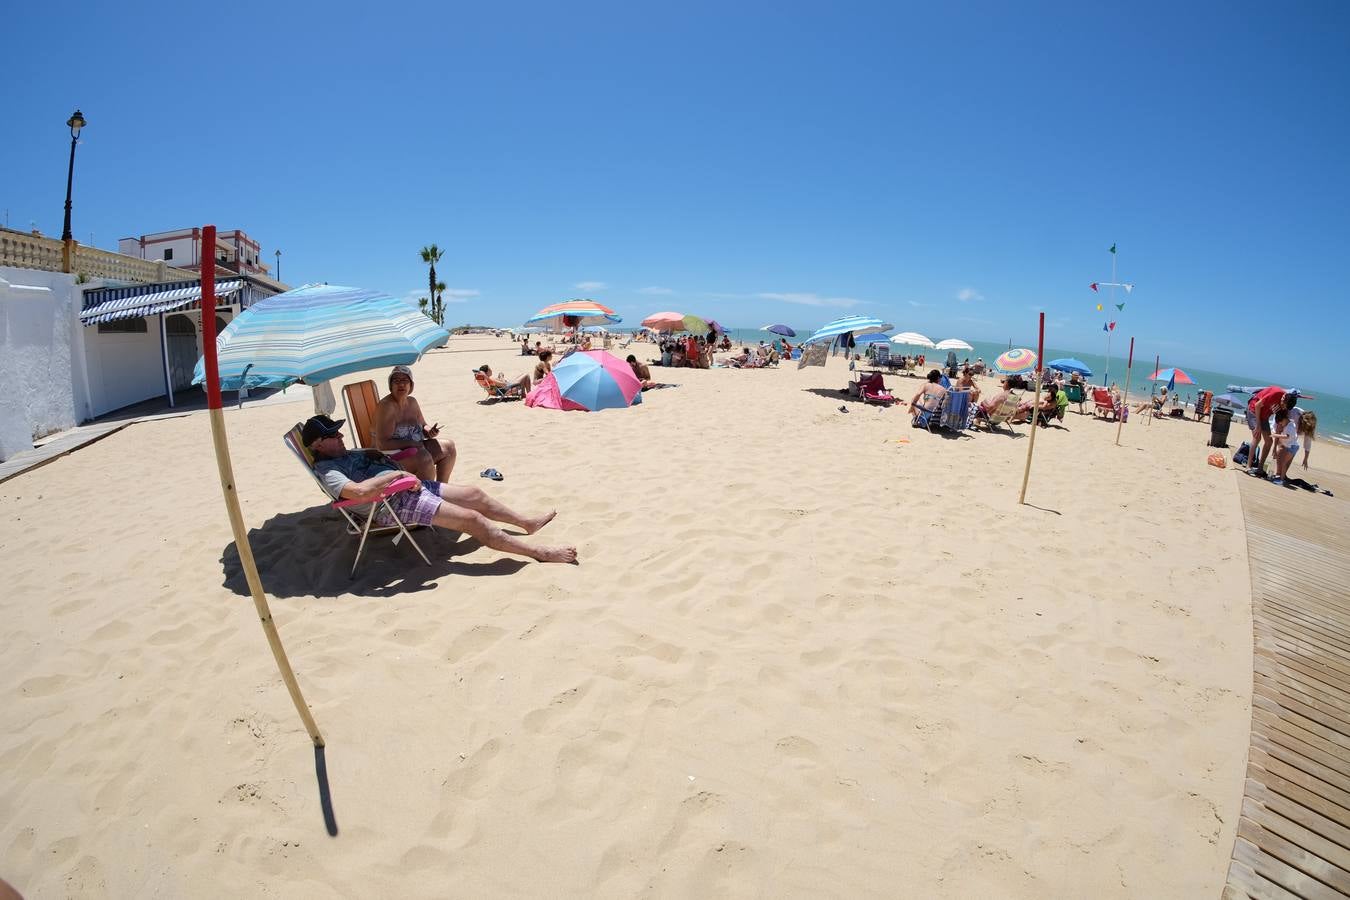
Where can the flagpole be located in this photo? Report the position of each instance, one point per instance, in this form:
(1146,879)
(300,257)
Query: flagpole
(1035,412)
(1126,396)
(241,544)
(1157,361)
(1112,301)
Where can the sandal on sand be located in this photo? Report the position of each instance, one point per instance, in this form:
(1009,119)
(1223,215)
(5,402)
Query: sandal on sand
(493,474)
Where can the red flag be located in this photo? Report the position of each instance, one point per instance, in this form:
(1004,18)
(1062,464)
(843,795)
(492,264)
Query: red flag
(1093,286)
(1112,326)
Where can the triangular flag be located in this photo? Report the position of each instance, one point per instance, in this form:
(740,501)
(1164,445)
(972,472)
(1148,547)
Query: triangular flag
(1093,285)
(1120,306)
(1112,327)
(1128,287)
(1105,327)
(1113,248)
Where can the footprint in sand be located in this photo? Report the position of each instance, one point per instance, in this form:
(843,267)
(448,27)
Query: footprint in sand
(472,642)
(543,719)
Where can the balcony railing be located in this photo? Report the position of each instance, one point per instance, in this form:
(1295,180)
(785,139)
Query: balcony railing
(29,251)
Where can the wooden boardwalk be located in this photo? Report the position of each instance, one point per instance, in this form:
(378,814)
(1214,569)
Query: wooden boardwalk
(1293,836)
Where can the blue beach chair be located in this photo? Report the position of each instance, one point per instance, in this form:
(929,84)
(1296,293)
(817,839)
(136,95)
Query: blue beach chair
(956,411)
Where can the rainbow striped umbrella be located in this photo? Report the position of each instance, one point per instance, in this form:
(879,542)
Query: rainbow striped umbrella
(1171,376)
(1015,362)
(318,332)
(574,313)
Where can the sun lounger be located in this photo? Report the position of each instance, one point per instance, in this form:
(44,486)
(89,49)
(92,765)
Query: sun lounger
(1002,415)
(345,507)
(1102,405)
(360,400)
(956,411)
(872,389)
(497,391)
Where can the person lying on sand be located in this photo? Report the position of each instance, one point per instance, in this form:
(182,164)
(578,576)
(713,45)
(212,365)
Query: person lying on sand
(521,384)
(364,474)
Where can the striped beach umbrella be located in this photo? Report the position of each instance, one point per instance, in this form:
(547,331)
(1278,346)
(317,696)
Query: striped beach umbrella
(574,313)
(1172,376)
(1015,362)
(953,344)
(778,328)
(319,332)
(855,325)
(588,380)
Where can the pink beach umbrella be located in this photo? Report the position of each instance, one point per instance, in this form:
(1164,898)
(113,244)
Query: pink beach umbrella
(587,380)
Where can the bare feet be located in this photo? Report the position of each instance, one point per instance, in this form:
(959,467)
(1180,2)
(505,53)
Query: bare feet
(557,554)
(533,525)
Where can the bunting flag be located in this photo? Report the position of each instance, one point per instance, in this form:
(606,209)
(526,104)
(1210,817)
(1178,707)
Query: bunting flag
(1099,307)
(1111,326)
(1120,306)
(1113,248)
(1105,327)
(1093,286)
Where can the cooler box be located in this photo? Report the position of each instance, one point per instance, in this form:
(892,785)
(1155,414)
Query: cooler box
(1218,426)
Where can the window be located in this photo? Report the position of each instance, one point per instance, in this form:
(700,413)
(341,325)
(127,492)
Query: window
(168,253)
(122,326)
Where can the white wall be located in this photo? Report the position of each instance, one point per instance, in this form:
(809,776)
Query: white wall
(123,368)
(39,351)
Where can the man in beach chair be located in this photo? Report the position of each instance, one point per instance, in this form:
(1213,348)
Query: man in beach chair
(499,389)
(872,389)
(368,477)
(1102,404)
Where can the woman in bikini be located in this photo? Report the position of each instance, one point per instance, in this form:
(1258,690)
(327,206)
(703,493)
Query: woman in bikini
(399,424)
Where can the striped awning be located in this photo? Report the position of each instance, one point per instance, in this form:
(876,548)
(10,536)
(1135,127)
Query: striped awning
(132,305)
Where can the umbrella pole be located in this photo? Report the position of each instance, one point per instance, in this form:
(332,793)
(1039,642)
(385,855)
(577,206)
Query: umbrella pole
(1128,366)
(1157,361)
(231,498)
(1035,413)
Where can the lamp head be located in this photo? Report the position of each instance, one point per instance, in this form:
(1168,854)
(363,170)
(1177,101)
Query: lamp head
(76,122)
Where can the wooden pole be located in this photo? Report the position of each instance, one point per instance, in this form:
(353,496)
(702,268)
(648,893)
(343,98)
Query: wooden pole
(1035,412)
(1157,361)
(1126,395)
(227,487)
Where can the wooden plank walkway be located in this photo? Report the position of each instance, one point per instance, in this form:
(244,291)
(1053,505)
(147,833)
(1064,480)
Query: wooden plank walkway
(1293,835)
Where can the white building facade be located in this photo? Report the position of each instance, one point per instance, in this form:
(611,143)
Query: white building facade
(183,248)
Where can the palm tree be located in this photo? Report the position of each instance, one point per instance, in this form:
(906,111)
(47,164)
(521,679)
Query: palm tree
(440,302)
(422,305)
(431,254)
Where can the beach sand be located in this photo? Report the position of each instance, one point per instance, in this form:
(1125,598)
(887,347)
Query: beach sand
(807,653)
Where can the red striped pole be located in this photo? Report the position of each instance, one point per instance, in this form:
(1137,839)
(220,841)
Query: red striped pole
(218,437)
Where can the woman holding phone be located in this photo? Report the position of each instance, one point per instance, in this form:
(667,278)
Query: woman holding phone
(399,424)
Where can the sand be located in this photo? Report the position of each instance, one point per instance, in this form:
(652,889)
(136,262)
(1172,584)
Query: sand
(808,653)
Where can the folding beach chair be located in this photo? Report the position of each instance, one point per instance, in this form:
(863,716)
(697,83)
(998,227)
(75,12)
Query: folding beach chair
(367,528)
(1204,405)
(1102,405)
(1075,394)
(1001,416)
(956,411)
(872,389)
(930,411)
(360,400)
(881,355)
(495,391)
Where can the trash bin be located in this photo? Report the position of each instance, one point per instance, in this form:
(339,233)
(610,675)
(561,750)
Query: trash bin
(1218,426)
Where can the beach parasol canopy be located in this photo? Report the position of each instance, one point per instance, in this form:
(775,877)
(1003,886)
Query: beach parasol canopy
(913,339)
(1015,362)
(587,380)
(574,313)
(319,332)
(676,321)
(953,344)
(1170,375)
(877,337)
(1230,400)
(855,325)
(1069,364)
(784,330)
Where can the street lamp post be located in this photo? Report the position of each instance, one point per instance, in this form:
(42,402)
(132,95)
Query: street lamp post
(278,265)
(76,122)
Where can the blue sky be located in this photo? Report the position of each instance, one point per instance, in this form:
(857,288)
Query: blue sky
(951,167)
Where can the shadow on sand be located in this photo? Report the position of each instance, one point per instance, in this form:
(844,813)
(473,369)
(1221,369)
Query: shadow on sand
(309,553)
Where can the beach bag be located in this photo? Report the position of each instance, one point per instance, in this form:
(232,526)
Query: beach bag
(1217,460)
(1240,454)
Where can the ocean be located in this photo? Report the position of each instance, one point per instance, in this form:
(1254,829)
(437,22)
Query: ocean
(1333,412)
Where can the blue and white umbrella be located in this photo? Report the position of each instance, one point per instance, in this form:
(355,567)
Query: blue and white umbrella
(857,325)
(319,332)
(778,328)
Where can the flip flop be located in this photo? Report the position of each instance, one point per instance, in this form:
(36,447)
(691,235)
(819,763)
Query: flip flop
(493,474)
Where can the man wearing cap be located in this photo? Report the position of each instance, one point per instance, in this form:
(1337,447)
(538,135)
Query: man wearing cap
(363,475)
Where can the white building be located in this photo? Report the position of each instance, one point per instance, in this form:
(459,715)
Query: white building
(183,249)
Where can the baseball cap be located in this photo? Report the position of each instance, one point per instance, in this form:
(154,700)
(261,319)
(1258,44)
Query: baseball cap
(320,427)
(401,370)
